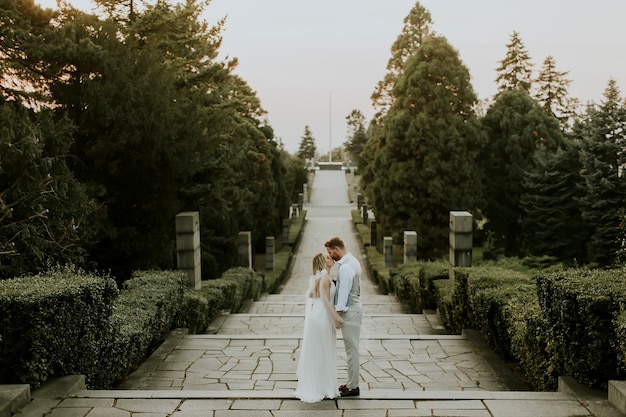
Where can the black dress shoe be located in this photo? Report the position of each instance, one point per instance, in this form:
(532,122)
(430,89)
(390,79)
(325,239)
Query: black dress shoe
(343,387)
(350,392)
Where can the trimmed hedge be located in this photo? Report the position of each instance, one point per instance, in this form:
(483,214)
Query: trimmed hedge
(54,323)
(413,283)
(583,309)
(143,315)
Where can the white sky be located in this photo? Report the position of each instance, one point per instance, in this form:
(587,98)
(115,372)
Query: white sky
(313,62)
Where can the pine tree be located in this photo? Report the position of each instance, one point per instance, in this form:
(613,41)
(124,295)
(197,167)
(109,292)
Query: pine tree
(307,147)
(604,159)
(357,137)
(552,93)
(515,126)
(552,224)
(424,165)
(417,26)
(515,70)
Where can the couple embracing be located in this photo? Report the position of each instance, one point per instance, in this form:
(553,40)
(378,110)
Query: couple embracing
(332,302)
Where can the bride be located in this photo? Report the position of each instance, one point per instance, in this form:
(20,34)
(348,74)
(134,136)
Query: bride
(317,366)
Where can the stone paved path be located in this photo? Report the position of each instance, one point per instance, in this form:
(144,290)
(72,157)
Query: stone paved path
(409,366)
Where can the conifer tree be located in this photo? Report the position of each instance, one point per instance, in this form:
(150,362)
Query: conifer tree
(417,26)
(515,70)
(515,126)
(424,164)
(357,137)
(307,147)
(604,161)
(552,95)
(552,224)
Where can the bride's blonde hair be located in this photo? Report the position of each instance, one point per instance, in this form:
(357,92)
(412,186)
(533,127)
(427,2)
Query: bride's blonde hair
(319,263)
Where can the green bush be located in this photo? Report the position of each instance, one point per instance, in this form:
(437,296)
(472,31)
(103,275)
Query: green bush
(413,283)
(448,311)
(581,307)
(54,323)
(143,315)
(196,312)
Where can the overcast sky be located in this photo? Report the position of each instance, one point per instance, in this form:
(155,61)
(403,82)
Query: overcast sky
(313,62)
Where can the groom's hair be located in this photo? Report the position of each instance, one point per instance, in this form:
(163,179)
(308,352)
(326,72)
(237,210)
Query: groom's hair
(335,243)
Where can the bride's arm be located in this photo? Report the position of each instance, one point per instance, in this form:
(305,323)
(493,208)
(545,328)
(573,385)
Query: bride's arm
(335,317)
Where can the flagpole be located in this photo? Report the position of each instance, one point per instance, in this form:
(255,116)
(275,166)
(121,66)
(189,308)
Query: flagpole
(330,134)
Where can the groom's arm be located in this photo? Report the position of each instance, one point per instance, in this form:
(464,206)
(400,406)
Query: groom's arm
(346,277)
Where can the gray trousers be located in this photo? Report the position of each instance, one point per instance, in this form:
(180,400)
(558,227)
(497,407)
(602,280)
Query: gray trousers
(351,332)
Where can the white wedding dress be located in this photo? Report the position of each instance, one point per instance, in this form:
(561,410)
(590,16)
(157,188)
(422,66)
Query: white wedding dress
(317,366)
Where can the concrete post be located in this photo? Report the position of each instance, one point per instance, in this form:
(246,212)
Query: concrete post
(359,201)
(410,246)
(461,229)
(269,252)
(373,233)
(364,213)
(305,193)
(244,245)
(188,247)
(300,201)
(286,227)
(387,251)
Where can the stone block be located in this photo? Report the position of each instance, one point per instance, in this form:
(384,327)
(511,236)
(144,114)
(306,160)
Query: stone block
(410,246)
(617,395)
(244,245)
(387,251)
(188,222)
(461,222)
(461,241)
(187,241)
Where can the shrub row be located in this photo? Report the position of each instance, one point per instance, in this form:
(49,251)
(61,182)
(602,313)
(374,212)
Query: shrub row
(584,312)
(67,321)
(55,323)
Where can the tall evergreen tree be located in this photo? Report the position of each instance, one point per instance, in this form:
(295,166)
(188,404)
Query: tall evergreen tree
(552,93)
(552,223)
(417,26)
(515,126)
(424,165)
(604,162)
(357,137)
(515,70)
(307,147)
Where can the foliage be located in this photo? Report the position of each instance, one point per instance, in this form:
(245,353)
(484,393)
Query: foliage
(417,27)
(515,126)
(54,323)
(307,148)
(515,70)
(357,137)
(603,158)
(580,307)
(424,165)
(551,223)
(552,93)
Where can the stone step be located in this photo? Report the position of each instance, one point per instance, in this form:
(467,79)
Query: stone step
(12,398)
(291,323)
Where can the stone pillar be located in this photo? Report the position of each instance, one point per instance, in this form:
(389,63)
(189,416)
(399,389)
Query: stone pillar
(300,201)
(373,233)
(387,251)
(410,246)
(244,245)
(305,193)
(269,252)
(359,201)
(294,211)
(364,213)
(286,227)
(188,246)
(461,229)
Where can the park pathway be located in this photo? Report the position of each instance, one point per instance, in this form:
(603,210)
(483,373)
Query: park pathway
(246,365)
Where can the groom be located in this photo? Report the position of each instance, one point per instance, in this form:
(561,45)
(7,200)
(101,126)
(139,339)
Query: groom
(348,305)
